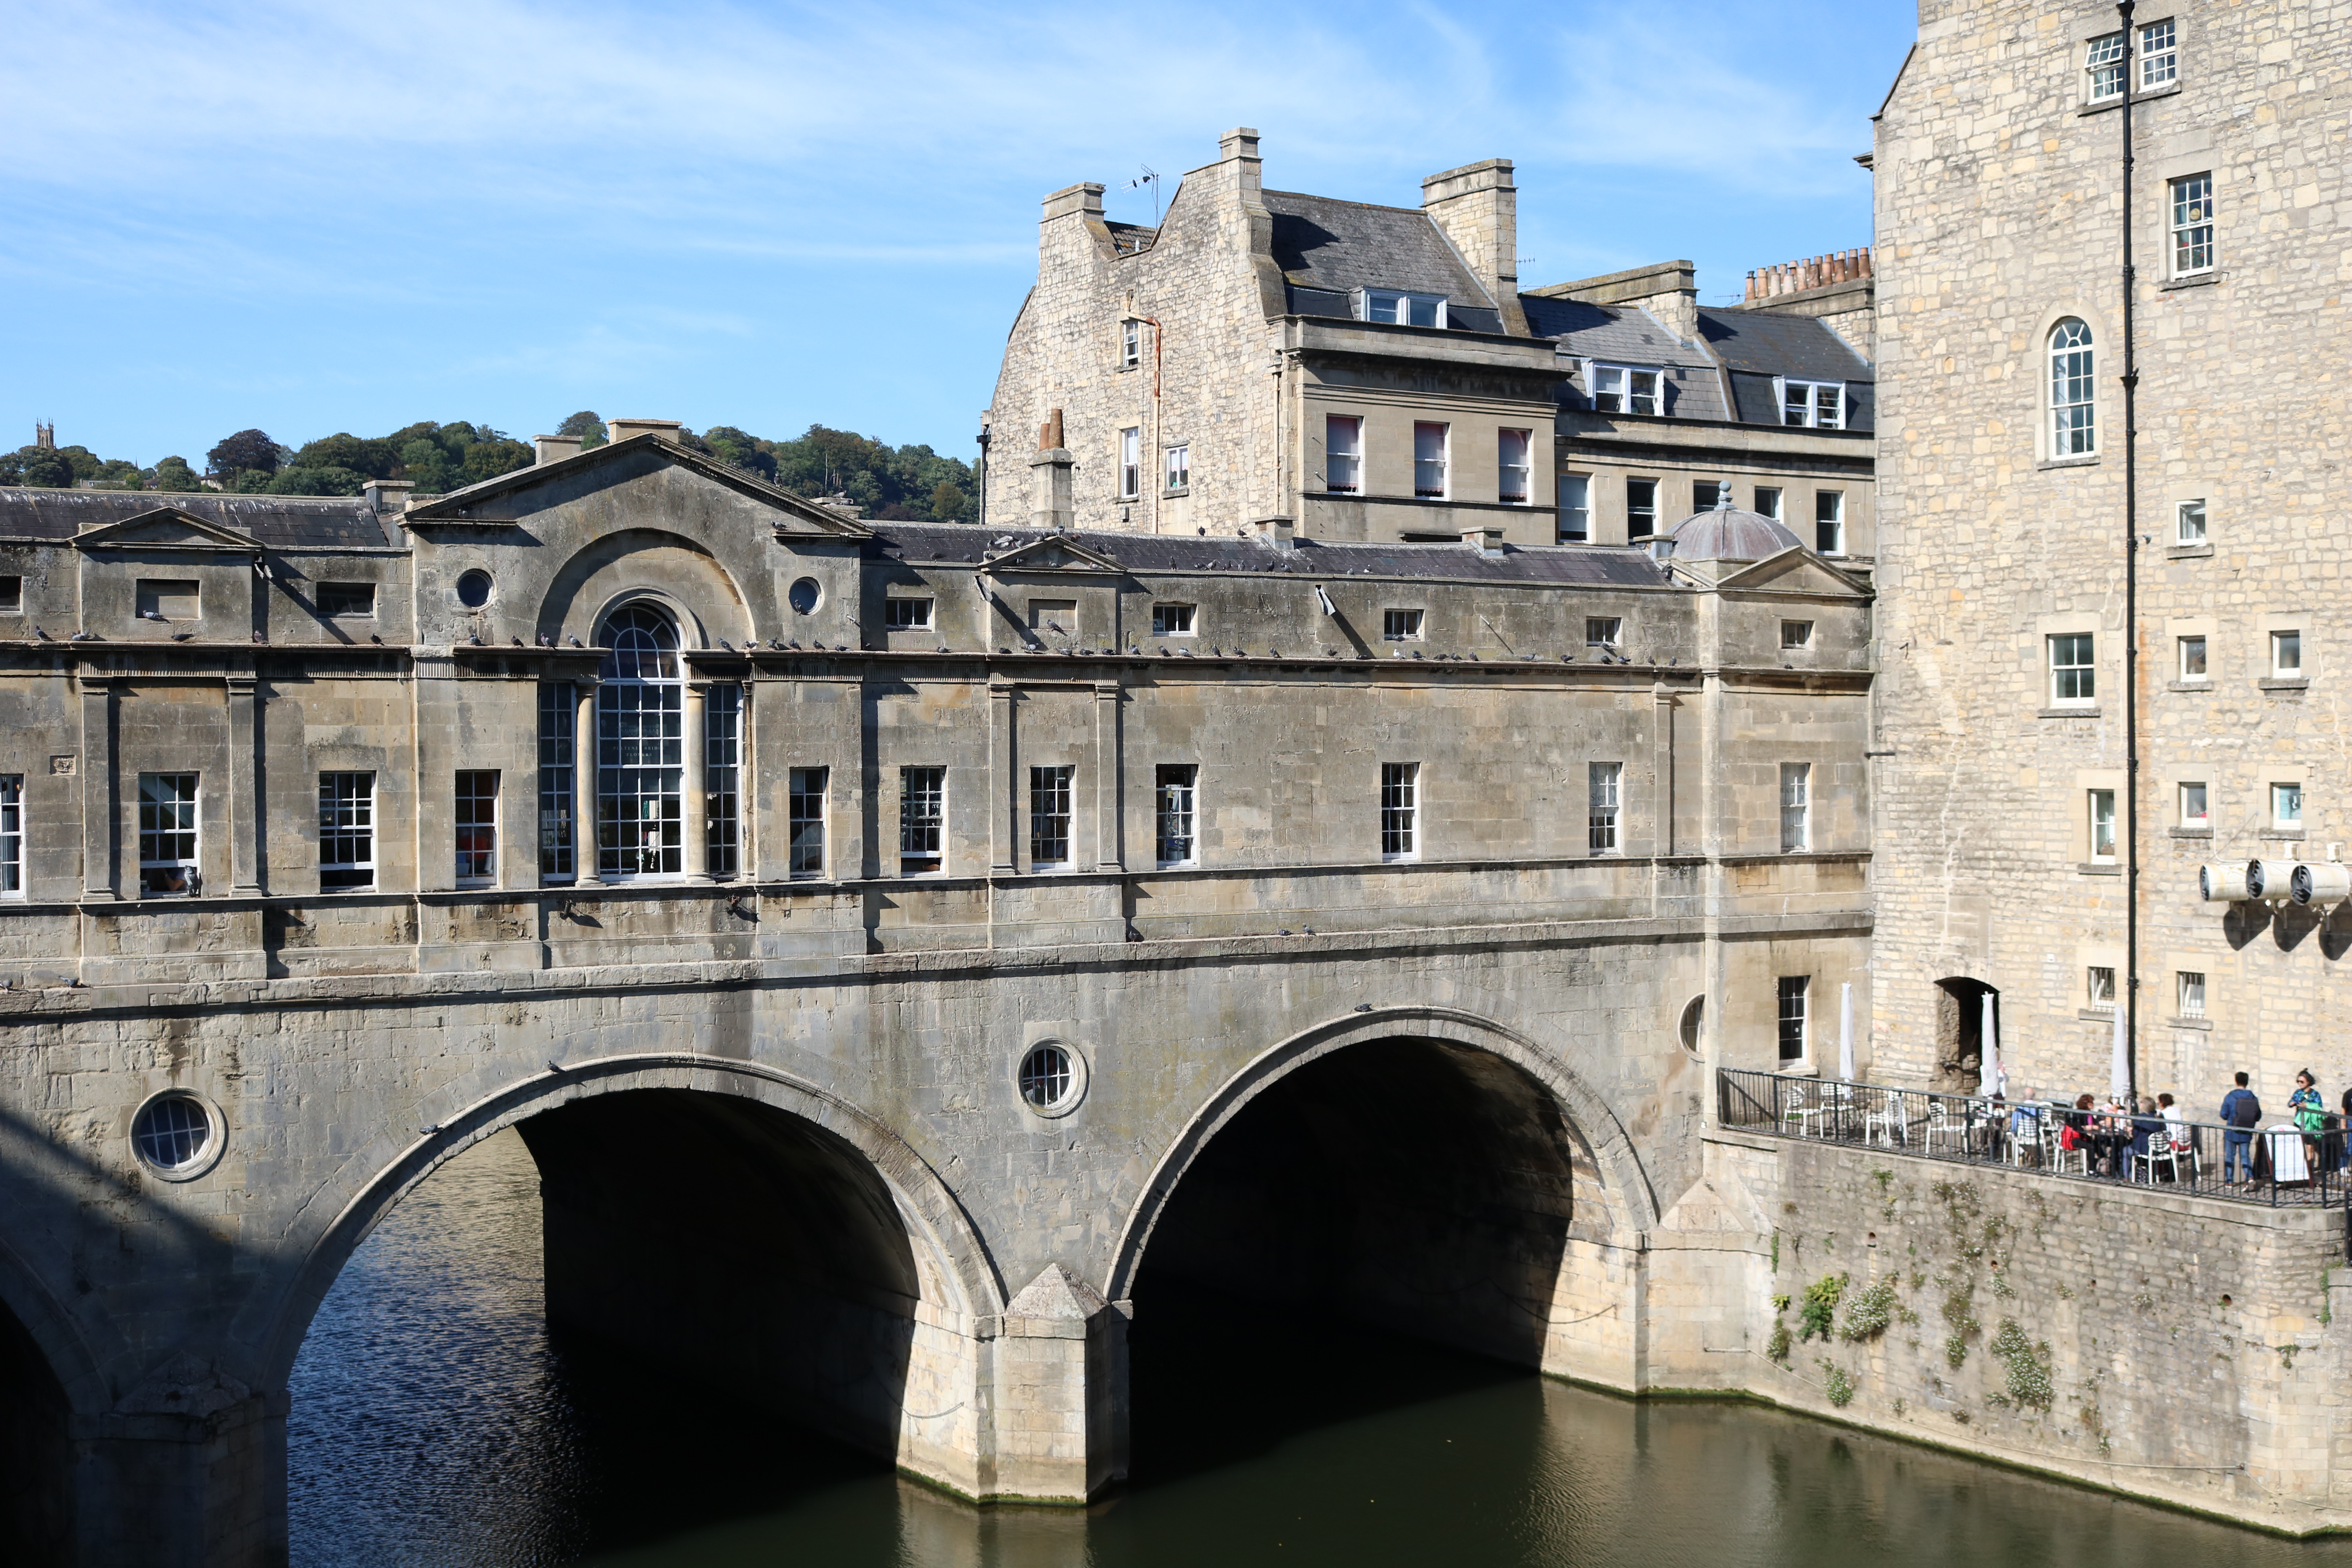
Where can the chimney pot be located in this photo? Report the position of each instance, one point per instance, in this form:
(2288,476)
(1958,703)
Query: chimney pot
(551,449)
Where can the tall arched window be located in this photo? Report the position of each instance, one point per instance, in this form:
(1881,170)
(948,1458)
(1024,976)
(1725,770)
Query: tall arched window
(640,747)
(2073,431)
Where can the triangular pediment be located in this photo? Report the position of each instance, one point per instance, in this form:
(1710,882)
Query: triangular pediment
(166,528)
(507,498)
(1795,570)
(1054,553)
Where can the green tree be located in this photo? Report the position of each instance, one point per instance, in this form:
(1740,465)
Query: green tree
(375,460)
(247,449)
(249,483)
(587,426)
(173,474)
(37,467)
(426,466)
(327,481)
(947,502)
(83,460)
(492,453)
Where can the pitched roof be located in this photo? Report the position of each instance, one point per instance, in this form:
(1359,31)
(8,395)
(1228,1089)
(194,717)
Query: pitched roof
(470,504)
(1321,243)
(278,522)
(1773,344)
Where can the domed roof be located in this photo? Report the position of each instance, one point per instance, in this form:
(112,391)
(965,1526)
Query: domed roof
(1730,534)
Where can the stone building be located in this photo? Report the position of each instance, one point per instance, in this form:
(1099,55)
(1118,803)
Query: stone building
(1350,371)
(2005,820)
(960,912)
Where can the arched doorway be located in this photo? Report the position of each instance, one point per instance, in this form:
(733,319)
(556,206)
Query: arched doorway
(1959,1032)
(36,1490)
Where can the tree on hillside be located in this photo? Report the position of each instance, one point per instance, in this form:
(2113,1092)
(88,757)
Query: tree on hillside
(38,467)
(374,459)
(587,426)
(173,474)
(247,451)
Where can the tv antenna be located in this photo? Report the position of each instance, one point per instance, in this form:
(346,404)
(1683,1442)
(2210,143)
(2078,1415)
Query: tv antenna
(1151,176)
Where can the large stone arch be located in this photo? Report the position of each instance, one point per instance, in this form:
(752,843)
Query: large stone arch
(1631,1206)
(668,568)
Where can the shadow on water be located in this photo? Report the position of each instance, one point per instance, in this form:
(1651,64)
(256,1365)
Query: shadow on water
(435,1424)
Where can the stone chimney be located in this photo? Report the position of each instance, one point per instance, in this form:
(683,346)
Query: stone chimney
(1477,207)
(1837,289)
(1808,273)
(388,497)
(1049,473)
(622,429)
(551,448)
(1668,291)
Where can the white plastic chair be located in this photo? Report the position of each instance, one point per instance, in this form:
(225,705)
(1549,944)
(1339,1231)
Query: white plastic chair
(1892,1118)
(1939,1128)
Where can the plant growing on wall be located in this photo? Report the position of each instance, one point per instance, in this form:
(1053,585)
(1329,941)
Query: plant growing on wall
(1869,1312)
(1957,1315)
(2027,1365)
(1837,1386)
(1820,1304)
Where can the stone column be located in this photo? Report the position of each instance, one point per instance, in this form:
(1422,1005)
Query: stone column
(102,808)
(583,783)
(1003,800)
(767,783)
(1662,767)
(245,783)
(693,778)
(188,1470)
(1109,758)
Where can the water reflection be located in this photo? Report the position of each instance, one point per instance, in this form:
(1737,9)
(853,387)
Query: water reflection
(437,1423)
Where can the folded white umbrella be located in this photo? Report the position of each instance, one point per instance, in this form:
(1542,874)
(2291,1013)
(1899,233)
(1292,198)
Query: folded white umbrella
(1989,1053)
(2119,1067)
(1846,1033)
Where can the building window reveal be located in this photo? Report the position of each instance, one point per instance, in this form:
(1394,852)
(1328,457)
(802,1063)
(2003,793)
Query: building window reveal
(1429,460)
(1829,522)
(2159,56)
(1641,507)
(1174,789)
(1604,633)
(1623,389)
(722,782)
(1767,501)
(2103,825)
(12,833)
(1815,405)
(2192,993)
(1343,453)
(1401,625)
(2286,805)
(1180,468)
(2194,811)
(1049,817)
(1400,809)
(2192,225)
(1405,309)
(641,746)
(1794,1021)
(922,800)
(1795,808)
(557,740)
(2071,678)
(806,809)
(1172,620)
(906,615)
(2286,655)
(1707,494)
(2072,428)
(477,822)
(2192,658)
(2099,985)
(1131,343)
(346,831)
(1130,462)
(1604,801)
(167,834)
(354,599)
(1575,508)
(1512,465)
(2104,63)
(2189,522)
(1796,634)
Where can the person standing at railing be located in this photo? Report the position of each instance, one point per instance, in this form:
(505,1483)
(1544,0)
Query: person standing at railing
(2240,1113)
(2310,1114)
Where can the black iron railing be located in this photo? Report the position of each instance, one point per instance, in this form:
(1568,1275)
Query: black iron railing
(2275,1164)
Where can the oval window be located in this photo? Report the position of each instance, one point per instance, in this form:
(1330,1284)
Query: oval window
(1053,1079)
(474,589)
(1694,1016)
(805,596)
(176,1136)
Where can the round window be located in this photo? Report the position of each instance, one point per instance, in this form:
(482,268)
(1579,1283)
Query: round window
(177,1135)
(474,589)
(1053,1079)
(1694,1016)
(805,596)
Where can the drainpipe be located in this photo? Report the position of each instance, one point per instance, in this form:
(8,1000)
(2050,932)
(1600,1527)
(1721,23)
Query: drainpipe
(1158,486)
(2131,591)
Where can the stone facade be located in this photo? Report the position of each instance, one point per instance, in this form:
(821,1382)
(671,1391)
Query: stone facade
(1999,219)
(761,1000)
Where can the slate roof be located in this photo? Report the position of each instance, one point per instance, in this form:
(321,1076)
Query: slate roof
(1745,348)
(278,522)
(1627,334)
(1757,345)
(958,544)
(1323,244)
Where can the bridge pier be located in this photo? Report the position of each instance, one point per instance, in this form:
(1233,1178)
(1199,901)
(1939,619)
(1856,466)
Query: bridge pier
(188,1472)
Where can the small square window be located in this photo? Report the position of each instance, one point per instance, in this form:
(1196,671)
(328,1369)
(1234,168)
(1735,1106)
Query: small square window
(2286,655)
(2103,825)
(1603,632)
(2192,660)
(1172,620)
(2194,810)
(906,615)
(1401,625)
(12,595)
(2099,985)
(356,599)
(2188,523)
(2190,985)
(2103,62)
(2286,804)
(1767,501)
(1179,468)
(1815,405)
(1624,389)
(1796,634)
(1404,309)
(1059,617)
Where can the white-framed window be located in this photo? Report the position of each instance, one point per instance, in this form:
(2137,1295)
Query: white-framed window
(2099,984)
(808,796)
(1049,817)
(1795,1024)
(1605,784)
(2190,984)
(1172,620)
(2192,660)
(1173,787)
(1405,309)
(1177,467)
(1401,625)
(1605,632)
(1575,508)
(11,835)
(1624,389)
(1343,453)
(1829,522)
(1512,464)
(2159,56)
(2188,523)
(1815,405)
(906,615)
(2073,424)
(2072,677)
(2286,655)
(922,816)
(557,742)
(722,782)
(1795,808)
(2102,802)
(167,834)
(2102,65)
(641,747)
(475,823)
(1432,443)
(1130,462)
(2196,807)
(346,831)
(1131,343)
(2192,225)
(1767,501)
(1641,507)
(2286,804)
(1796,634)
(1400,810)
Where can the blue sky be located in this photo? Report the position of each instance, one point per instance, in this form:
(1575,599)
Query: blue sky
(313,219)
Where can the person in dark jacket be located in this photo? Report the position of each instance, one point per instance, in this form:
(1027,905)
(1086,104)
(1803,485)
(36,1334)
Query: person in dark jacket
(2240,1113)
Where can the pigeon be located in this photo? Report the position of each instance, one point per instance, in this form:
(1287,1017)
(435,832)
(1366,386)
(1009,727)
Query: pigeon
(517,641)
(728,645)
(575,642)
(777,644)
(376,638)
(43,636)
(150,615)
(182,636)
(83,637)
(475,638)
(545,640)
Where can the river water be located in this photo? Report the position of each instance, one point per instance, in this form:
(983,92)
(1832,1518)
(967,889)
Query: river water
(437,1423)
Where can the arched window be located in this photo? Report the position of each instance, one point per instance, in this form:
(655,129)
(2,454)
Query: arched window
(2074,429)
(640,747)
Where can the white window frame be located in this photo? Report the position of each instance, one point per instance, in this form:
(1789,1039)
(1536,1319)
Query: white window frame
(1796,635)
(2099,986)
(2105,62)
(1605,632)
(1796,808)
(1605,805)
(1829,531)
(2100,825)
(1520,472)
(2286,655)
(2072,387)
(1576,514)
(906,613)
(1053,805)
(1637,389)
(2188,522)
(929,831)
(485,854)
(1399,306)
(1399,624)
(2286,805)
(2188,218)
(1174,620)
(2160,55)
(2086,683)
(2194,646)
(807,830)
(1343,453)
(1131,343)
(1130,462)
(1176,467)
(2188,992)
(1773,508)
(1175,813)
(347,821)
(1440,467)
(189,867)
(1797,988)
(12,836)
(2196,809)
(1399,811)
(1812,404)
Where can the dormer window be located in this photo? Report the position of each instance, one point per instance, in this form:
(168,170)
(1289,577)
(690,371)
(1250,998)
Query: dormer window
(1624,389)
(1814,405)
(1404,309)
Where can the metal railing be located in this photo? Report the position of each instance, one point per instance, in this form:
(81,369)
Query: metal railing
(2273,1164)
